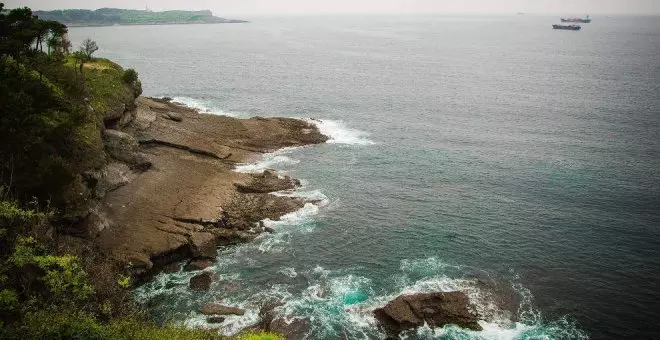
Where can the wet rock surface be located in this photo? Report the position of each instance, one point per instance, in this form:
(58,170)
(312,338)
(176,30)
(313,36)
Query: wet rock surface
(213,308)
(435,309)
(201,282)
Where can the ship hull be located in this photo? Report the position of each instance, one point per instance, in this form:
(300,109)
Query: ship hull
(567,27)
(581,21)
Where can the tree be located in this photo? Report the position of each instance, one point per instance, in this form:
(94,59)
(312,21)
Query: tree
(80,58)
(88,47)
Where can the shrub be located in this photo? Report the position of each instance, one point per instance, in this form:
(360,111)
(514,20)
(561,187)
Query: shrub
(8,299)
(64,276)
(57,324)
(130,76)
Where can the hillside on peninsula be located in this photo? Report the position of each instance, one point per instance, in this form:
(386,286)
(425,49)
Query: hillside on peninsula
(117,16)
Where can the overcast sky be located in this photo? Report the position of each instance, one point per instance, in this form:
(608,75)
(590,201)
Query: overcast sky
(260,7)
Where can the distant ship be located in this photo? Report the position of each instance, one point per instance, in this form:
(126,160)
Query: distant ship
(567,27)
(580,20)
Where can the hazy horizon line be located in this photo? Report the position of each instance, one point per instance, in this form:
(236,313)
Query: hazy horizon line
(340,13)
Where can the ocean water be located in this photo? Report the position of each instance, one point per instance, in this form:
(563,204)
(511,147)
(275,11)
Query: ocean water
(491,155)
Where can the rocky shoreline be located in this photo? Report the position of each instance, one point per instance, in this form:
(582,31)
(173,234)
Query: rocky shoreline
(170,193)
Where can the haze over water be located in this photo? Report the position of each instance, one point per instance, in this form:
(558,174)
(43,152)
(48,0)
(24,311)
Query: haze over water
(488,154)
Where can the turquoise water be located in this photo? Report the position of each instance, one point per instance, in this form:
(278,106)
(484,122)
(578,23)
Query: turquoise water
(491,155)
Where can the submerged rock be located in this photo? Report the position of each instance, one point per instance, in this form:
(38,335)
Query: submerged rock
(215,319)
(201,282)
(435,309)
(213,308)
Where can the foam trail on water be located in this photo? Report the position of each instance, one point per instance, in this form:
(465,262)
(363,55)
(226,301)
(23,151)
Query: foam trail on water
(277,159)
(315,196)
(204,106)
(339,133)
(301,215)
(340,303)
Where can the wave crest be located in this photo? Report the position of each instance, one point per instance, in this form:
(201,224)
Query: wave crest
(339,133)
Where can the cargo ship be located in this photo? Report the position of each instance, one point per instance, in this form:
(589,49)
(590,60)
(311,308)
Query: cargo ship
(580,20)
(567,27)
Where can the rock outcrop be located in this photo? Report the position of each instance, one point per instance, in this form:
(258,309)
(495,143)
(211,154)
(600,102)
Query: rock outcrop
(266,182)
(435,309)
(125,148)
(171,179)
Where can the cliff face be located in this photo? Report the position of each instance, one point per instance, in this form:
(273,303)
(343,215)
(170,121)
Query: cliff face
(110,103)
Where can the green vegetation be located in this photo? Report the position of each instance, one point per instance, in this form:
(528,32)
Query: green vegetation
(54,105)
(53,108)
(260,336)
(116,16)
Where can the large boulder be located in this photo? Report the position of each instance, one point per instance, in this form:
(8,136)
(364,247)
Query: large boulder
(213,308)
(435,309)
(201,282)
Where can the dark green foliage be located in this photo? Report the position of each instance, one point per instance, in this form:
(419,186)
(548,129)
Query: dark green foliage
(130,78)
(51,116)
(42,110)
(37,117)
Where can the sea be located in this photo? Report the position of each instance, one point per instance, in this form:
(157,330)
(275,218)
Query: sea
(487,154)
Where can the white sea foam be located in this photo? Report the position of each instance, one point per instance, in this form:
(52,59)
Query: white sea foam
(273,160)
(340,133)
(303,214)
(204,106)
(316,196)
(288,271)
(334,300)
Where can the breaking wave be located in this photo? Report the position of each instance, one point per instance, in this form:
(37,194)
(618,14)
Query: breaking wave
(205,106)
(272,160)
(339,133)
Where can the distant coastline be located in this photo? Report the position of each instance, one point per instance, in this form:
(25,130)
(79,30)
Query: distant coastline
(129,17)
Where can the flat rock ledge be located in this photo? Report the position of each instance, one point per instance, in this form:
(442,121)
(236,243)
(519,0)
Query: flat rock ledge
(438,309)
(170,193)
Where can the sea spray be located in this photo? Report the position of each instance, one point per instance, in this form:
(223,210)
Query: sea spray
(205,106)
(339,133)
(272,160)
